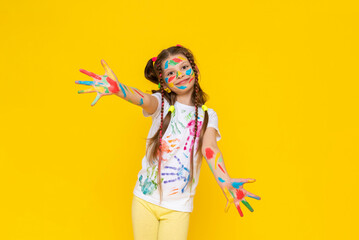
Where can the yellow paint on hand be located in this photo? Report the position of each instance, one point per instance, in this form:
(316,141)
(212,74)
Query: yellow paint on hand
(215,161)
(131,90)
(100,89)
(230,199)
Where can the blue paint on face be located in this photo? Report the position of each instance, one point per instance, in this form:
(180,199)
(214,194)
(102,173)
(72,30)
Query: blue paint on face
(189,71)
(166,65)
(166,80)
(221,180)
(237,184)
(182,87)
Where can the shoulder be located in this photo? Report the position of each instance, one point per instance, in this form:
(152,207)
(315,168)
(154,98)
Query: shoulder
(212,113)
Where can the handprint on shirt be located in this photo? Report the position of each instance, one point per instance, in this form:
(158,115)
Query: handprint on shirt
(149,185)
(168,146)
(191,125)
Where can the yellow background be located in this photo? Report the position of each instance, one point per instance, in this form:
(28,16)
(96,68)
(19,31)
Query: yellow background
(281,75)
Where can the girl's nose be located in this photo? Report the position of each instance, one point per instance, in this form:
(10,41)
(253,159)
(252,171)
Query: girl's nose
(179,74)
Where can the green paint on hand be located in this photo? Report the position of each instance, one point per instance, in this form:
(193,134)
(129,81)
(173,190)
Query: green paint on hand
(247,205)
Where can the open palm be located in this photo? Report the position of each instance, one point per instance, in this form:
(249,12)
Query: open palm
(235,193)
(106,84)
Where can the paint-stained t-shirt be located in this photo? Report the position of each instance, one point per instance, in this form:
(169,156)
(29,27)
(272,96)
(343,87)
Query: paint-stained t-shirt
(175,165)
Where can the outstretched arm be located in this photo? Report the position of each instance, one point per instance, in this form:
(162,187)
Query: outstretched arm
(108,84)
(133,95)
(232,187)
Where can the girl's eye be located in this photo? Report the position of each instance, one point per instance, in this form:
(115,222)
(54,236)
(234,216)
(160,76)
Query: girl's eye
(186,66)
(169,73)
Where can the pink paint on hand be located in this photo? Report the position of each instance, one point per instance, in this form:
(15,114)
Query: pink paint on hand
(138,93)
(239,210)
(209,153)
(221,168)
(113,85)
(239,194)
(90,74)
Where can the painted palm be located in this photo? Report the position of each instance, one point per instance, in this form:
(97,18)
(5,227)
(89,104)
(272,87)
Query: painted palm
(106,84)
(235,193)
(149,185)
(178,174)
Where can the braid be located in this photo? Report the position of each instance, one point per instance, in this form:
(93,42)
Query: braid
(193,65)
(160,137)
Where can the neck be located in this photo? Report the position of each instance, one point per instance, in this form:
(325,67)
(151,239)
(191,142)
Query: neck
(185,98)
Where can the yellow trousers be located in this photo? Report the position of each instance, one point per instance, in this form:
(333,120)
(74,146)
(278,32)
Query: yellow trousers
(152,222)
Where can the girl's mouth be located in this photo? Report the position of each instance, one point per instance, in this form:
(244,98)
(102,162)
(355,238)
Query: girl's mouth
(182,82)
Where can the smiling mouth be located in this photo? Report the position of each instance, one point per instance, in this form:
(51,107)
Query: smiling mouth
(183,81)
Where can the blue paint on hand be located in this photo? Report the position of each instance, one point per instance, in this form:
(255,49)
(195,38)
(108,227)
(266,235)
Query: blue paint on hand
(220,179)
(123,90)
(237,184)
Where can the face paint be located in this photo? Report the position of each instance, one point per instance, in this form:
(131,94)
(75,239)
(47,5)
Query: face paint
(169,79)
(174,62)
(188,73)
(182,87)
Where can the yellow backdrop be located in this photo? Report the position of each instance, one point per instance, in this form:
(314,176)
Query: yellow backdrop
(281,75)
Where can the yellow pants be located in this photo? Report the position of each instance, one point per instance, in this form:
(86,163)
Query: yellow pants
(152,222)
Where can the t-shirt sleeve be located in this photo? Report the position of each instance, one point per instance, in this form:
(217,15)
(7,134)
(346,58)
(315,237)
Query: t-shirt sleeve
(213,122)
(158,110)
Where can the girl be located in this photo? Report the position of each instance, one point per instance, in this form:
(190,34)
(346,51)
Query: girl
(183,131)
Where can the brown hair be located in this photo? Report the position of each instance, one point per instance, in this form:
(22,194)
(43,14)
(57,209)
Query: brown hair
(154,74)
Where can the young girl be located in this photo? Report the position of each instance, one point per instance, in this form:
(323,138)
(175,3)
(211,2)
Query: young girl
(183,131)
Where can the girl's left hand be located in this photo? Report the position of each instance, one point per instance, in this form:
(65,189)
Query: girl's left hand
(235,193)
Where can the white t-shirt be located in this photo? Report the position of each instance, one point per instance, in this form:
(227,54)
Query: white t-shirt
(175,165)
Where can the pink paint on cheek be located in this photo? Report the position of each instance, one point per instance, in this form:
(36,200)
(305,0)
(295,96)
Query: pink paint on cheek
(171,78)
(191,79)
(209,153)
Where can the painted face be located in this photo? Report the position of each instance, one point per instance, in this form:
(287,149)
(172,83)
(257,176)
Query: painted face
(178,73)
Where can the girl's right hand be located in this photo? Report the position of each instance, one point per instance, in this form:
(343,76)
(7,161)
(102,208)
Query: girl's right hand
(106,84)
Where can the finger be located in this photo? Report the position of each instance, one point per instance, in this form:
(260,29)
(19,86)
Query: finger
(89,90)
(229,199)
(239,209)
(96,99)
(227,206)
(249,194)
(247,205)
(237,182)
(108,70)
(100,89)
(89,83)
(91,74)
